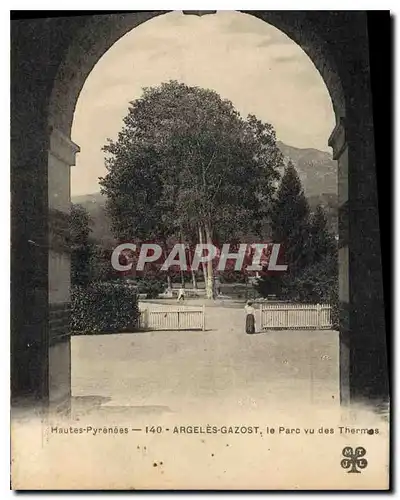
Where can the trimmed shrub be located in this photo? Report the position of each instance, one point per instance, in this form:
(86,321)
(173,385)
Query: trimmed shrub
(103,308)
(151,287)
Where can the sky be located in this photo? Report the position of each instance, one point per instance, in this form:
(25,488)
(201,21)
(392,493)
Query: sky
(244,59)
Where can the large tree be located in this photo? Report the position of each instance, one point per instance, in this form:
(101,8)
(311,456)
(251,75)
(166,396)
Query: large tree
(322,242)
(290,220)
(290,227)
(319,281)
(310,250)
(186,161)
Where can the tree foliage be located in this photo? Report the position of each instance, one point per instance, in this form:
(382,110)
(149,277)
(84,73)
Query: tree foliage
(290,220)
(81,247)
(90,261)
(310,250)
(186,162)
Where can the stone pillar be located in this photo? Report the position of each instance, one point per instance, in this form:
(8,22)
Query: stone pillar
(62,153)
(29,212)
(337,142)
(363,356)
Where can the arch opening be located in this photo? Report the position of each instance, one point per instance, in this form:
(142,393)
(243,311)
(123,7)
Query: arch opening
(336,43)
(86,64)
(88,47)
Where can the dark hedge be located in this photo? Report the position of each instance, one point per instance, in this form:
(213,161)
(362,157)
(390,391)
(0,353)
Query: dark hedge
(103,308)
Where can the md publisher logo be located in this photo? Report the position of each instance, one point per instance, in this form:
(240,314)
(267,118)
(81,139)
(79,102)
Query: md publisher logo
(354,459)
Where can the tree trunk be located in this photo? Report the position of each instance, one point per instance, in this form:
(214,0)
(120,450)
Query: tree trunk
(210,286)
(182,275)
(194,280)
(169,281)
(202,265)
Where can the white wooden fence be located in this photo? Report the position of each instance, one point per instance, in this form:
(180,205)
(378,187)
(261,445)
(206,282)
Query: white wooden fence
(177,318)
(295,316)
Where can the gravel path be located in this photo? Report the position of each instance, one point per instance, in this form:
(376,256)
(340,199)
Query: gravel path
(223,366)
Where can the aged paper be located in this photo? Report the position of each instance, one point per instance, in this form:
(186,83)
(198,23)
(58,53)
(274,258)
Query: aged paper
(196,288)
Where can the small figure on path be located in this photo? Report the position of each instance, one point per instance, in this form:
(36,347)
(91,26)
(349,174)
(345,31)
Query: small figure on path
(181,295)
(250,318)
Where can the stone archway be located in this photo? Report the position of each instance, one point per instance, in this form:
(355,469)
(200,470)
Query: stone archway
(100,32)
(336,43)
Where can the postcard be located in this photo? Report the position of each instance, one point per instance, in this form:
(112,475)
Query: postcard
(196,272)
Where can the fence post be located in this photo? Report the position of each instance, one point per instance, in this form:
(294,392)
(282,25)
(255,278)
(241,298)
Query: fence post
(319,318)
(143,319)
(204,318)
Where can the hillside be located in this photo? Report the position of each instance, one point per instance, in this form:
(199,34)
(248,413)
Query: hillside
(95,203)
(316,169)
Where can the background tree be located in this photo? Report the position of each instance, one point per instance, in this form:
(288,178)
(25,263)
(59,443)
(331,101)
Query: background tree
(90,260)
(81,246)
(100,264)
(322,242)
(310,250)
(319,281)
(186,159)
(290,227)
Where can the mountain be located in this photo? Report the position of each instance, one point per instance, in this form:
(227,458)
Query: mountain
(318,174)
(317,171)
